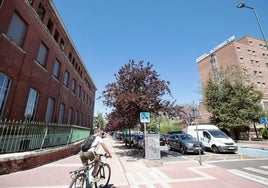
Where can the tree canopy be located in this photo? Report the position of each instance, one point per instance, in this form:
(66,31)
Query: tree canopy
(231,102)
(137,88)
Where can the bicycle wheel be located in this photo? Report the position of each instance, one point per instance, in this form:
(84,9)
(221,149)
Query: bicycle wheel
(79,181)
(103,176)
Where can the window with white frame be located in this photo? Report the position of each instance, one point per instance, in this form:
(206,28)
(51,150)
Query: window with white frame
(31,106)
(42,55)
(49,112)
(66,78)
(73,85)
(4,87)
(56,69)
(17,29)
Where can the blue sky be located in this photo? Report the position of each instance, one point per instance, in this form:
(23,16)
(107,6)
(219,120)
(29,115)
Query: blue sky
(170,34)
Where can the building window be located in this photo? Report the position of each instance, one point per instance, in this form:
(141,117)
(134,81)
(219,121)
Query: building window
(61,114)
(238,49)
(66,79)
(73,85)
(17,29)
(49,112)
(83,96)
(62,44)
(41,11)
(42,55)
(76,117)
(250,43)
(79,92)
(56,36)
(31,105)
(4,87)
(56,69)
(70,116)
(50,26)
(70,56)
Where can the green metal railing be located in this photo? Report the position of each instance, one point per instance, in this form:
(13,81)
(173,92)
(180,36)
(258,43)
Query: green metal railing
(27,136)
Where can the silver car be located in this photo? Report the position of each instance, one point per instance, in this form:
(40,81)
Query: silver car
(185,143)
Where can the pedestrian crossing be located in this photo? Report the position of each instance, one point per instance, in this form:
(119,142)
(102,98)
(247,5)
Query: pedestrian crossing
(258,174)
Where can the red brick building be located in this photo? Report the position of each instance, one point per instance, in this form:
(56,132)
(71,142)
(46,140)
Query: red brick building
(42,76)
(249,53)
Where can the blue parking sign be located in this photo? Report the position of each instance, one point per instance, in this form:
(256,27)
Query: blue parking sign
(263,120)
(145,117)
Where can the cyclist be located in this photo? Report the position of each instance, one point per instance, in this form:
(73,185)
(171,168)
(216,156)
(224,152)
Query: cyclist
(91,154)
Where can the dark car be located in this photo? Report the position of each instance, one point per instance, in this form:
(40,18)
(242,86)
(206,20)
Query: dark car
(176,132)
(138,141)
(185,143)
(162,140)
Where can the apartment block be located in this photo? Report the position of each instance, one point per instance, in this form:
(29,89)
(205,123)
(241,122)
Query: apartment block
(42,76)
(249,53)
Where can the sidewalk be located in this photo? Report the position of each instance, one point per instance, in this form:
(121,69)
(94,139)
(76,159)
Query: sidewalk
(131,170)
(134,171)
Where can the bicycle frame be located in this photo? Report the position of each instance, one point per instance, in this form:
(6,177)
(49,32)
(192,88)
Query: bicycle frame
(83,174)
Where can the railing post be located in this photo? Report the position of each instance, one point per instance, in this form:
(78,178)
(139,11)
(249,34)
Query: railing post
(44,138)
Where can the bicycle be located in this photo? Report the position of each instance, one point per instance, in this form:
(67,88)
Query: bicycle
(81,177)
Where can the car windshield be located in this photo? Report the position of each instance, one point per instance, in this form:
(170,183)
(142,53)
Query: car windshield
(186,137)
(218,134)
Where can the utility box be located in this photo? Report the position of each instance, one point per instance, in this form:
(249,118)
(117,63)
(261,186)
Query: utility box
(152,146)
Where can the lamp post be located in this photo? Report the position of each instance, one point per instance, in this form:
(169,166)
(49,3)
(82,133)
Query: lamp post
(242,5)
(195,114)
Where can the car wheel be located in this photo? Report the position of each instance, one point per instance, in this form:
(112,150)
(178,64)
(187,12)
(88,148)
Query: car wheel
(214,149)
(182,149)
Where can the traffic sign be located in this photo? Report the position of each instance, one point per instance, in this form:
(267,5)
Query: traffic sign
(145,117)
(263,120)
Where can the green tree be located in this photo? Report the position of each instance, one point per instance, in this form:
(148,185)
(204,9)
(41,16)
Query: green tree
(231,102)
(99,121)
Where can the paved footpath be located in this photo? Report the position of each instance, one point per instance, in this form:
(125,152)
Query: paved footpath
(130,170)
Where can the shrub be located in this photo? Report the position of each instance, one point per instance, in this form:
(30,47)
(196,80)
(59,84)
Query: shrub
(264,133)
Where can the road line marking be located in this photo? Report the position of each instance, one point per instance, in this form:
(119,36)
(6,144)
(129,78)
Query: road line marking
(265,167)
(252,177)
(257,170)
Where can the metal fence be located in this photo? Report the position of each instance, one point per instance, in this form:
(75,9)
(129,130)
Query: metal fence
(27,136)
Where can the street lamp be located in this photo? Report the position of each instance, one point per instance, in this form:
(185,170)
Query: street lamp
(242,5)
(195,114)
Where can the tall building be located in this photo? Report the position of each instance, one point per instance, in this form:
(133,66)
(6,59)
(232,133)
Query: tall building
(249,53)
(42,76)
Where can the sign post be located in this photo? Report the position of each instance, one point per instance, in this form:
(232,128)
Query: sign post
(151,141)
(264,122)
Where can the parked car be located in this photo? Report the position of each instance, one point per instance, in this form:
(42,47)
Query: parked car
(138,141)
(162,140)
(185,143)
(176,132)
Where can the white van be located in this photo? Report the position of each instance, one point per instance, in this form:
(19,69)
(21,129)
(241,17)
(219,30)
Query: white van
(213,138)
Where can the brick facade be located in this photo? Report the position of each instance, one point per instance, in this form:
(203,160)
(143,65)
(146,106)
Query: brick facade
(19,64)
